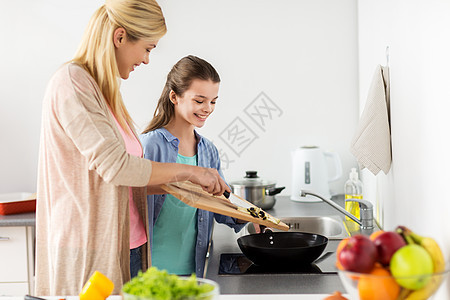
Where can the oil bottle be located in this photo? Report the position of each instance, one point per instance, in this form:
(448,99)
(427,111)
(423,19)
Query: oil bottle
(353,189)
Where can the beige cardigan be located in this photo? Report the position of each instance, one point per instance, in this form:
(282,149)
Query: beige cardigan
(82,217)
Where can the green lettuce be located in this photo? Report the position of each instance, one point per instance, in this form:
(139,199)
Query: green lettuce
(158,284)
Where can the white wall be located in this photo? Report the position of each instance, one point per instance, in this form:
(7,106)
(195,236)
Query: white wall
(39,37)
(415,191)
(301,53)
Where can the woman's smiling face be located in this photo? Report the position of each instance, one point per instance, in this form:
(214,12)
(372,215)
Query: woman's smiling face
(130,54)
(197,103)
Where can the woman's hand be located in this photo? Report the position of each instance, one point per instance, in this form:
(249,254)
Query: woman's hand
(210,180)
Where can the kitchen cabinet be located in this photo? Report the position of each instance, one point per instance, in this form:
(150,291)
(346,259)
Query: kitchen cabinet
(16,259)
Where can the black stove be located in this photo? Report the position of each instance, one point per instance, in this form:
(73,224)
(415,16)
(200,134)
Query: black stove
(238,264)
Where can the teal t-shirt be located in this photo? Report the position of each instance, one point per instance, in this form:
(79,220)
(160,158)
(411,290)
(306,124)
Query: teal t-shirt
(175,233)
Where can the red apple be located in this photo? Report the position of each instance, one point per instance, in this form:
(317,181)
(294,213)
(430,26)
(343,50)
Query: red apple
(359,254)
(387,243)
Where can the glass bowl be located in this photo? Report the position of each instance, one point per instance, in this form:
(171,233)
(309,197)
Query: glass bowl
(174,293)
(384,286)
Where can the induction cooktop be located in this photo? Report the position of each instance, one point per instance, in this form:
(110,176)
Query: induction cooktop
(238,264)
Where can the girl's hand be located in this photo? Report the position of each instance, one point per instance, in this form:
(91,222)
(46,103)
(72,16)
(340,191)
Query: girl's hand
(210,180)
(261,228)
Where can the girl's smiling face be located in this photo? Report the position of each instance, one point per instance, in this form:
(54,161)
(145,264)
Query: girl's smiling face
(197,103)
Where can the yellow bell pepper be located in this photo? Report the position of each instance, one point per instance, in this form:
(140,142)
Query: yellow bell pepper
(98,287)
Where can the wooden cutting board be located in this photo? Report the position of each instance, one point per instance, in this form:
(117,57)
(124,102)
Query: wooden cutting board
(193,195)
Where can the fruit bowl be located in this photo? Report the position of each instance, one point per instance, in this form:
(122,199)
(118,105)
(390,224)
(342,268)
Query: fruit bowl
(380,284)
(159,285)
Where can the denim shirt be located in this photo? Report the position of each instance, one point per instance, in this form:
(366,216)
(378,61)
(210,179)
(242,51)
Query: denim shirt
(161,146)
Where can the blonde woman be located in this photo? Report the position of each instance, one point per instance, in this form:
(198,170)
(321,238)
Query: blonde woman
(92,178)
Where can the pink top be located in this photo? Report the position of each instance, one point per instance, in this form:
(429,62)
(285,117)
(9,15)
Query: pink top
(137,228)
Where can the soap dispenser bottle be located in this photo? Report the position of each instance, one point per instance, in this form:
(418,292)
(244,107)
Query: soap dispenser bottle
(353,189)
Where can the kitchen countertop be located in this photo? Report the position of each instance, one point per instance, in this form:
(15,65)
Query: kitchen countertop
(252,286)
(225,241)
(26,219)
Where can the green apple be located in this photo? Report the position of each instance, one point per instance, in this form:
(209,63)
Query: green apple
(411,266)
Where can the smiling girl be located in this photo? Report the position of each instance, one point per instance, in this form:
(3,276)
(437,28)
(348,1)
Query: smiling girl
(179,234)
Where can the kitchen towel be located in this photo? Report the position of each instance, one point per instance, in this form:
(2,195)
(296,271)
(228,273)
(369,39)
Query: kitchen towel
(371,144)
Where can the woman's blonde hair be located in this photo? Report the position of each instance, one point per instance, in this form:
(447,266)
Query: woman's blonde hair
(179,81)
(141,19)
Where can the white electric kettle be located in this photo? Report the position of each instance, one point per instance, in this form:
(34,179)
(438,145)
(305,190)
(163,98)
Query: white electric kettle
(310,172)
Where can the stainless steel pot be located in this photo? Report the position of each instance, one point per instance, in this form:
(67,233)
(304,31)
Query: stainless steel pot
(256,190)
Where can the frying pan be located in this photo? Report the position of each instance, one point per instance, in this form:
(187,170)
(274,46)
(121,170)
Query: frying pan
(282,248)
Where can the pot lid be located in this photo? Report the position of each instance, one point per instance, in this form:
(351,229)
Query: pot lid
(252,179)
